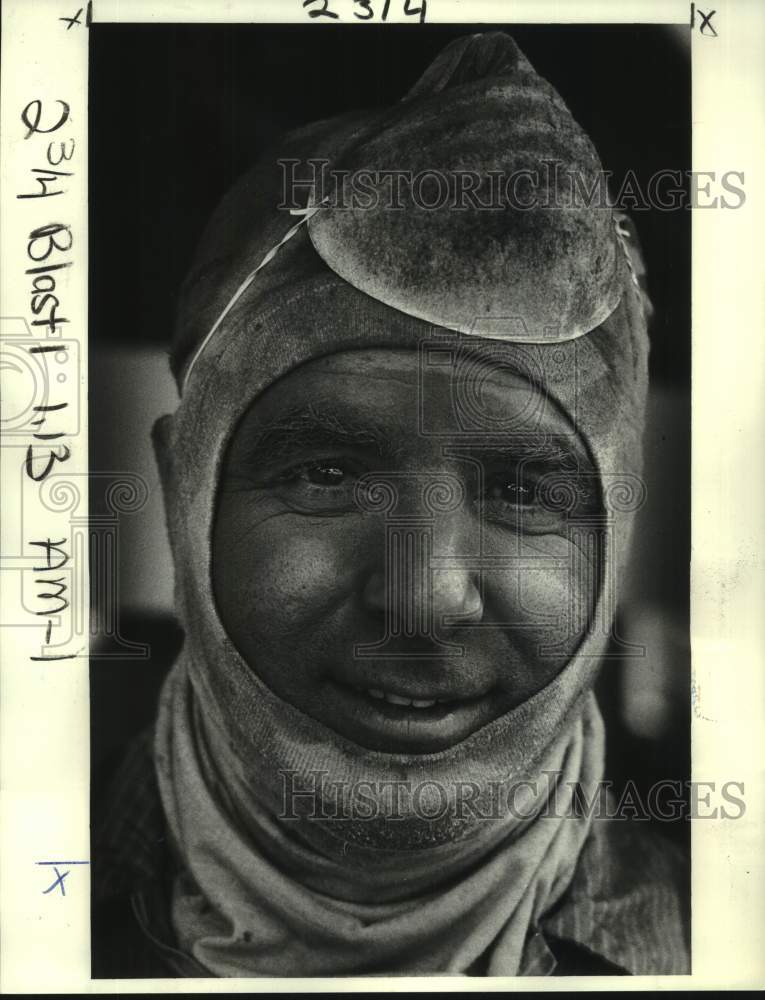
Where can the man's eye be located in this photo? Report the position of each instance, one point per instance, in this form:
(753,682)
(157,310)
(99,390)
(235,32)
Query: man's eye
(525,500)
(514,493)
(331,473)
(319,486)
(509,500)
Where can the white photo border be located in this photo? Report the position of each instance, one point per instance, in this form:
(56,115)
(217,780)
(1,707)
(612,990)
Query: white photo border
(44,706)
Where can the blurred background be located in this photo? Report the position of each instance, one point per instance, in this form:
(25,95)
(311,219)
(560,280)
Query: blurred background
(176,114)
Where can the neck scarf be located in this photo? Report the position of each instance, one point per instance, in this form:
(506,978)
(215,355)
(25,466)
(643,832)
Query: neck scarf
(295,886)
(260,900)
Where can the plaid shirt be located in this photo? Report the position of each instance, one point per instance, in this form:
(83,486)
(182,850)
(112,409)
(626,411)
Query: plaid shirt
(625,912)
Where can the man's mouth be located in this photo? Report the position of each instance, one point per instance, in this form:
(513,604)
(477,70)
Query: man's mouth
(396,722)
(397,699)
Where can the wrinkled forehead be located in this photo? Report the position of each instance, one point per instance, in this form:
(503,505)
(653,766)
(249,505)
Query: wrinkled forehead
(406,397)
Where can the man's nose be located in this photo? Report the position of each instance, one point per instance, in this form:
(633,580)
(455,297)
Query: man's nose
(424,579)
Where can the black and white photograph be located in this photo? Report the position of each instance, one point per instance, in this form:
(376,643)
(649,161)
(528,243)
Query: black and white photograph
(426,660)
(380,563)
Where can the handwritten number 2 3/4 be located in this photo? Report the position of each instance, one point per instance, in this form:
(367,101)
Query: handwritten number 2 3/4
(364,10)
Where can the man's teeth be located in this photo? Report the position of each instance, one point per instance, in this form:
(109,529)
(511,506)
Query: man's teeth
(397,699)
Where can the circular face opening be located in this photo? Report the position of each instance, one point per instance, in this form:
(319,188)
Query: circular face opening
(396,563)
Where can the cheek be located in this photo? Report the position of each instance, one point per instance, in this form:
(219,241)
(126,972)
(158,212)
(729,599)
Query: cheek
(539,599)
(281,576)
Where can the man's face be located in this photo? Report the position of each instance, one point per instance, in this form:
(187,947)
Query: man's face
(402,587)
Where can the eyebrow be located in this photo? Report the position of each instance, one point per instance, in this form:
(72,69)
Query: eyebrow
(309,428)
(559,450)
